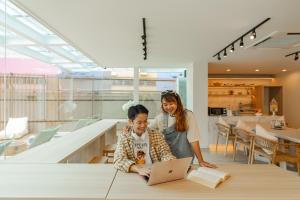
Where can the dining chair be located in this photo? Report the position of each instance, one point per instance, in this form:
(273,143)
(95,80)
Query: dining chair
(15,128)
(244,138)
(4,145)
(275,151)
(264,147)
(44,136)
(225,132)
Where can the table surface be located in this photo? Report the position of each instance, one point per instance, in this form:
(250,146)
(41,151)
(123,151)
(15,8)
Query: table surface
(55,181)
(286,133)
(246,182)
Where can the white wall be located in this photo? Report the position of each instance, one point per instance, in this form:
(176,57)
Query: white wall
(291,96)
(197,98)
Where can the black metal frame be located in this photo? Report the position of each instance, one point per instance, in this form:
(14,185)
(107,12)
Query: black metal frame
(241,37)
(144,38)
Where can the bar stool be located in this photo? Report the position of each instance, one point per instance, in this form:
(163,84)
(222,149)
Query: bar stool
(108,152)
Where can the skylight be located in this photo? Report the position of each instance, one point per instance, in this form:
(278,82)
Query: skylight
(27,37)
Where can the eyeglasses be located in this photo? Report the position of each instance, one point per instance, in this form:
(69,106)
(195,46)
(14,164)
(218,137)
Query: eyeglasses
(172,92)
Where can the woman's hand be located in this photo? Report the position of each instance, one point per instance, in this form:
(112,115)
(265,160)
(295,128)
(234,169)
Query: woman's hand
(206,164)
(126,129)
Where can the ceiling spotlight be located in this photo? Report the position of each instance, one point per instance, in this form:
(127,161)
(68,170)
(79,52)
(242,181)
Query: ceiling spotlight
(283,70)
(228,70)
(253,35)
(240,39)
(225,53)
(219,57)
(296,56)
(242,42)
(257,70)
(232,48)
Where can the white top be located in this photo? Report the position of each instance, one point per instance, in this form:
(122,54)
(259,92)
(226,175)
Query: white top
(141,146)
(193,133)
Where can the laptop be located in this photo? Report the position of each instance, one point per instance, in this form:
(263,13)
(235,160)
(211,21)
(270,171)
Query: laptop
(166,171)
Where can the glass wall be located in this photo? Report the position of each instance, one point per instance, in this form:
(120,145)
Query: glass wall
(47,83)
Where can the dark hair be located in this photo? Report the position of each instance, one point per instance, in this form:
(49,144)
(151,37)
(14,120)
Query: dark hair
(133,111)
(171,96)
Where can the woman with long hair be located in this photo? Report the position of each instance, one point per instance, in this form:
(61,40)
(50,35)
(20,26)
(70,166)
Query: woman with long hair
(179,127)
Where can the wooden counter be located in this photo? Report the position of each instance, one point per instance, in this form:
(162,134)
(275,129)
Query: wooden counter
(259,182)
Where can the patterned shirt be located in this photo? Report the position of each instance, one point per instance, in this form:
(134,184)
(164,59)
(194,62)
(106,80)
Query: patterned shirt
(124,154)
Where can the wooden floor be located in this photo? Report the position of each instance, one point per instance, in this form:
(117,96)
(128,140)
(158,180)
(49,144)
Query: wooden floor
(211,155)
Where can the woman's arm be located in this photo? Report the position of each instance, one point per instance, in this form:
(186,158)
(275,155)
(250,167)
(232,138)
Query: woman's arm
(197,151)
(154,123)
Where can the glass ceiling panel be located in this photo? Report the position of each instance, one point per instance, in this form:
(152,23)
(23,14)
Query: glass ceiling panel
(30,22)
(8,33)
(37,48)
(13,10)
(39,42)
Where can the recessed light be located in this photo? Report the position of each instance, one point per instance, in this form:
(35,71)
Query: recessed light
(228,70)
(257,70)
(284,70)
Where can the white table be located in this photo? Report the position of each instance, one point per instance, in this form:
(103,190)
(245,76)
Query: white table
(286,133)
(77,147)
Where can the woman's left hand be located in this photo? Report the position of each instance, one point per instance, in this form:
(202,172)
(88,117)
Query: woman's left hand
(206,164)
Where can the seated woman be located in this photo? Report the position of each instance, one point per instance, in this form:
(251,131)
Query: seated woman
(142,146)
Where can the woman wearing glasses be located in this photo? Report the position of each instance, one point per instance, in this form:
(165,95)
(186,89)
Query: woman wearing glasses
(179,127)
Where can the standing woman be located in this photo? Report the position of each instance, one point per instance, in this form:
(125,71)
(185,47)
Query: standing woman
(179,127)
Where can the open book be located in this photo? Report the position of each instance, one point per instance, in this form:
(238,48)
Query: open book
(207,176)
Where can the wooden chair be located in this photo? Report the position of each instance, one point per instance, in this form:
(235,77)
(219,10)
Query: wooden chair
(264,147)
(108,152)
(244,138)
(275,152)
(225,132)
